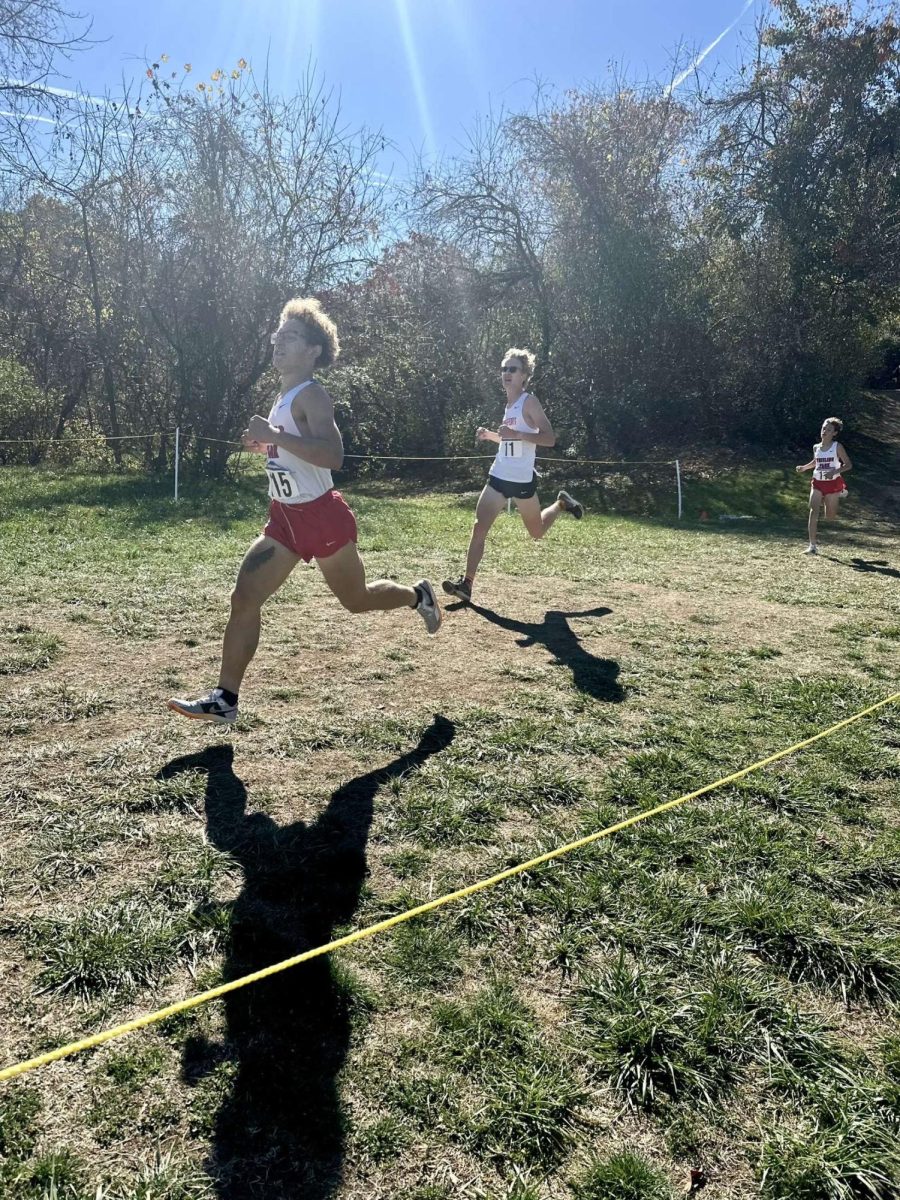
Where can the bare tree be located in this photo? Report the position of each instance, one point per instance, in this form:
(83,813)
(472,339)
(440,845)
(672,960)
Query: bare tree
(241,199)
(35,36)
(80,166)
(485,205)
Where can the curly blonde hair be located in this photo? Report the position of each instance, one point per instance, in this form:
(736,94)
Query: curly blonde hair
(526,358)
(319,328)
(836,422)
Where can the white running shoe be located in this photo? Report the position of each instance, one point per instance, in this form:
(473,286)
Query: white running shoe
(428,608)
(811,549)
(211,707)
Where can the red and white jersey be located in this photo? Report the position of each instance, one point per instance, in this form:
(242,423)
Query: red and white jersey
(515,459)
(291,480)
(827,461)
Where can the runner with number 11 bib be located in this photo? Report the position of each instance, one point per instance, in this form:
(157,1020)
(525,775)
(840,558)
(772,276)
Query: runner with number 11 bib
(512,477)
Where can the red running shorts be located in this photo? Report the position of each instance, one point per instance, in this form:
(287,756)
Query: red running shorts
(316,529)
(829,487)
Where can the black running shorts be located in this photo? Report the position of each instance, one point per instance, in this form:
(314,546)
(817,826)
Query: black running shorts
(513,491)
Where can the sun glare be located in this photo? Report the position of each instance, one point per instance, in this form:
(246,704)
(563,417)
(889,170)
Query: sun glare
(415,74)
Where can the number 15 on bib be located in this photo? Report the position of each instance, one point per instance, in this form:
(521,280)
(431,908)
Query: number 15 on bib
(281,485)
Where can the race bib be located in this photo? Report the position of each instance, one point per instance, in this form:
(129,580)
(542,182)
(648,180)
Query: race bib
(512,449)
(282,485)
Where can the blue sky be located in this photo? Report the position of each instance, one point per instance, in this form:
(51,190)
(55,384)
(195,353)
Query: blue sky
(421,70)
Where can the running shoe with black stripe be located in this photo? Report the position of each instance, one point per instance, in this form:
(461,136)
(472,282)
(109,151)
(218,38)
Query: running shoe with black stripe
(460,588)
(211,707)
(428,608)
(570,505)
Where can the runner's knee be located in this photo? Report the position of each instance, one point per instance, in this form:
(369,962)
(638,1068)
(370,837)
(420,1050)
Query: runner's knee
(356,602)
(243,600)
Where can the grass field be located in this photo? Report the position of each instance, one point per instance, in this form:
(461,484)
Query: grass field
(715,991)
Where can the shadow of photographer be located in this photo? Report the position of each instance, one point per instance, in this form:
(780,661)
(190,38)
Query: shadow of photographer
(280,1131)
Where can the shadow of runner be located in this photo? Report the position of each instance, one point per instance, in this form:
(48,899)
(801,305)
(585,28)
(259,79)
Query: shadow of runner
(878,566)
(280,1133)
(597,677)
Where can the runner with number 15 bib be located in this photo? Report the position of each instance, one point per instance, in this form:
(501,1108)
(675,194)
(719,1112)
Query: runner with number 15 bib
(308,519)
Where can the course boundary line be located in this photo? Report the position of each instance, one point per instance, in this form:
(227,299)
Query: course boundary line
(368,931)
(541,458)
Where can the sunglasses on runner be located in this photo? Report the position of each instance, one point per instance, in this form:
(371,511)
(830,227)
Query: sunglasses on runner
(290,336)
(509,370)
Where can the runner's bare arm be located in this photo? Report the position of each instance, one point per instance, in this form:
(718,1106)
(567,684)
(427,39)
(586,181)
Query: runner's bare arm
(846,464)
(535,415)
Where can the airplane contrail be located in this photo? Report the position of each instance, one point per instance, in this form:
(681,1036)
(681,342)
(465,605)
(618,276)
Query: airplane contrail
(682,76)
(27,117)
(65,93)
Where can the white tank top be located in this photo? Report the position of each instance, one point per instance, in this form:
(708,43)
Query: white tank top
(826,461)
(291,480)
(515,459)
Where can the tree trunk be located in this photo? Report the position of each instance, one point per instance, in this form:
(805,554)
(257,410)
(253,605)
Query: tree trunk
(109,382)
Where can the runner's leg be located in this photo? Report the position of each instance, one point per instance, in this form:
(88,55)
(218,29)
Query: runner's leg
(815,506)
(537,522)
(489,507)
(832,502)
(345,574)
(266,566)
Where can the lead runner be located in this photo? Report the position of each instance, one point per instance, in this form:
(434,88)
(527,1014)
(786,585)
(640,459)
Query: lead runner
(308,519)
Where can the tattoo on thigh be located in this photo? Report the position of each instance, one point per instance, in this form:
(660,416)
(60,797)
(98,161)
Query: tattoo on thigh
(256,560)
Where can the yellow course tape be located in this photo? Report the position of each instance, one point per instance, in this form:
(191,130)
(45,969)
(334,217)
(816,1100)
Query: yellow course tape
(359,935)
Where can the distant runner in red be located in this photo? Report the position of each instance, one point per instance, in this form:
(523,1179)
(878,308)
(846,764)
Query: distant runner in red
(308,519)
(828,464)
(512,477)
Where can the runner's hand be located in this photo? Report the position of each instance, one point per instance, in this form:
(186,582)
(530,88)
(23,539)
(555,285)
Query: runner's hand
(259,430)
